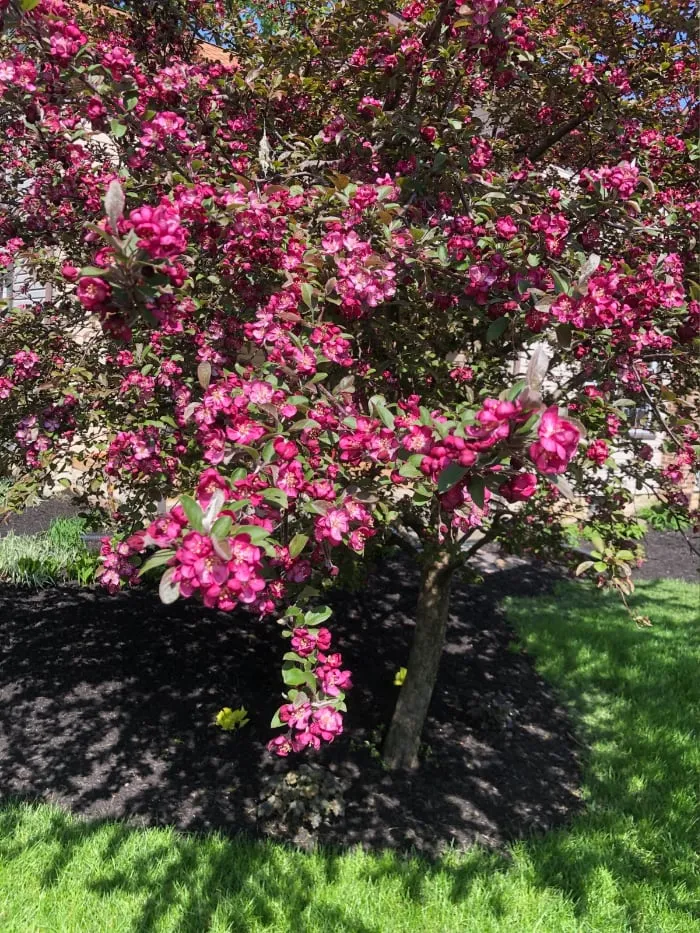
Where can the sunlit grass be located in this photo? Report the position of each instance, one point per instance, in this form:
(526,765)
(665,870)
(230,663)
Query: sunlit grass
(55,556)
(628,863)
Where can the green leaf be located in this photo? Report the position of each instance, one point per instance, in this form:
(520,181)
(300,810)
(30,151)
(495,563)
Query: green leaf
(497,328)
(624,555)
(118,129)
(256,534)
(307,295)
(194,513)
(156,560)
(28,5)
(477,490)
(409,471)
(600,566)
(560,286)
(297,545)
(307,424)
(276,722)
(277,497)
(294,677)
(317,616)
(377,402)
(222,526)
(450,476)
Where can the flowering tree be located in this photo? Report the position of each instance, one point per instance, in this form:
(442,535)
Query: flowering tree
(376,274)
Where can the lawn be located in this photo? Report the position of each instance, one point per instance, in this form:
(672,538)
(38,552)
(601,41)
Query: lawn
(629,862)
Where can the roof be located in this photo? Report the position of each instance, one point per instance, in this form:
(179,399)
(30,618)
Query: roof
(207,50)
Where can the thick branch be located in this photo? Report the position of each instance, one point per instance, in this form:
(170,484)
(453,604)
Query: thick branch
(538,151)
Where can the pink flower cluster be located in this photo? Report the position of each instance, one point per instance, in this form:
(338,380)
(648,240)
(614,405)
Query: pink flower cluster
(311,724)
(351,524)
(557,443)
(31,439)
(116,567)
(598,452)
(163,128)
(554,227)
(93,293)
(26,365)
(626,303)
(313,720)
(363,280)
(482,154)
(519,488)
(159,230)
(66,39)
(224,576)
(118,60)
(137,453)
(622,178)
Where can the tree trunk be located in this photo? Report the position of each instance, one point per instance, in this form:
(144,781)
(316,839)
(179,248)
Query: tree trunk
(403,739)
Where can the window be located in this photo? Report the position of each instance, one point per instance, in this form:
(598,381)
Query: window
(642,419)
(6,280)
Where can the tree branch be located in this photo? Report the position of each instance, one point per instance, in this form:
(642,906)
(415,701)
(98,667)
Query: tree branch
(655,409)
(538,151)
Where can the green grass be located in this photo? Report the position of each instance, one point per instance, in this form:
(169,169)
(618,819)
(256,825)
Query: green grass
(58,556)
(628,863)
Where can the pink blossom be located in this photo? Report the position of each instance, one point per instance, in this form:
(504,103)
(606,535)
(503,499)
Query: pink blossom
(598,452)
(26,364)
(332,526)
(519,488)
(165,126)
(327,723)
(506,227)
(369,106)
(303,642)
(558,440)
(285,449)
(333,680)
(159,230)
(92,292)
(297,717)
(211,481)
(281,745)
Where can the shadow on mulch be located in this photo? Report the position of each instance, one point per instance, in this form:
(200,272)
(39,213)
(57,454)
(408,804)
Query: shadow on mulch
(106,705)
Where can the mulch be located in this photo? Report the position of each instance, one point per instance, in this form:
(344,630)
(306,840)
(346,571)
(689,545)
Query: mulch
(668,557)
(38,518)
(106,706)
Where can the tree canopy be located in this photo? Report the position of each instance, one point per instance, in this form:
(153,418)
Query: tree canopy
(365,274)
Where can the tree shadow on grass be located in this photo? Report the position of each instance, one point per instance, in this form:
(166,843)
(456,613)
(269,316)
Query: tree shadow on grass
(637,693)
(182,881)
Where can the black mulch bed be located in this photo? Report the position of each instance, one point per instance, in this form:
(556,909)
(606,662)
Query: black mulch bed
(669,557)
(106,706)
